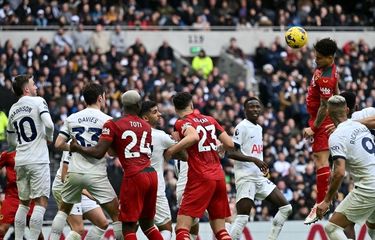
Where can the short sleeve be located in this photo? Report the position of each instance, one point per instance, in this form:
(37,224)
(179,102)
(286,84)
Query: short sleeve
(42,106)
(337,146)
(238,134)
(167,141)
(181,126)
(108,132)
(64,130)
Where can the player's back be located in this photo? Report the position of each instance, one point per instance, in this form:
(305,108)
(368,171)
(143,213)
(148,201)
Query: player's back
(132,142)
(25,120)
(7,160)
(203,159)
(86,126)
(354,141)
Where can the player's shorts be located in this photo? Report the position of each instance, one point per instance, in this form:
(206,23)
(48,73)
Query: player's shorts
(358,206)
(320,138)
(248,188)
(97,185)
(163,212)
(203,194)
(9,208)
(83,207)
(33,181)
(138,196)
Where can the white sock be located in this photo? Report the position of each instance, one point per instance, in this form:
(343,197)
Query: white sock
(193,236)
(58,225)
(238,226)
(36,222)
(95,233)
(371,233)
(117,229)
(74,236)
(167,235)
(278,221)
(20,221)
(334,232)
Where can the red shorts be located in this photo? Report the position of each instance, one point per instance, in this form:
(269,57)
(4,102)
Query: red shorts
(320,138)
(205,194)
(138,196)
(9,208)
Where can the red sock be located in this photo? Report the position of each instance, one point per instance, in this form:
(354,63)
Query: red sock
(322,182)
(222,235)
(182,234)
(130,236)
(153,233)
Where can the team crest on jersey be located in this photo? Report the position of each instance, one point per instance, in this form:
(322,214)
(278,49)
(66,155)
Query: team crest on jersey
(185,126)
(106,131)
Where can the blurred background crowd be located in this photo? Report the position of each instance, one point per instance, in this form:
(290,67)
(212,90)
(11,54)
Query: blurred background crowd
(62,66)
(196,13)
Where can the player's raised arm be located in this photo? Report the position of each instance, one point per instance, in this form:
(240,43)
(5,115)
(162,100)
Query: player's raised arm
(190,137)
(98,151)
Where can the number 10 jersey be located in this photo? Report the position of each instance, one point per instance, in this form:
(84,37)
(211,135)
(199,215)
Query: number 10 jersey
(86,126)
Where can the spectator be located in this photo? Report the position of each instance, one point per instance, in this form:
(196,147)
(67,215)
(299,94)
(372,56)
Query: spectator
(234,50)
(3,127)
(80,38)
(62,40)
(202,64)
(118,40)
(165,52)
(99,41)
(281,165)
(41,20)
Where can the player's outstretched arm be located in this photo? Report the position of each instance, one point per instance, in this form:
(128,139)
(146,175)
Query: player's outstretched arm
(322,113)
(239,156)
(98,151)
(61,143)
(369,122)
(191,137)
(227,141)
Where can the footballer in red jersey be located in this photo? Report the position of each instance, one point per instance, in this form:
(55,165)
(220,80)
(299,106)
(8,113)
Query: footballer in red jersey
(9,206)
(323,85)
(205,187)
(130,138)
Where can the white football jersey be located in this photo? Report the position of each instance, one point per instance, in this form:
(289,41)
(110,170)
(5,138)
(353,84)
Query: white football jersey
(65,158)
(160,142)
(25,121)
(182,175)
(86,126)
(353,141)
(249,137)
(364,113)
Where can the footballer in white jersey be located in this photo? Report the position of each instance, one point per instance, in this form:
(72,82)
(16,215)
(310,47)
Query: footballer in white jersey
(352,148)
(249,170)
(29,128)
(160,142)
(86,172)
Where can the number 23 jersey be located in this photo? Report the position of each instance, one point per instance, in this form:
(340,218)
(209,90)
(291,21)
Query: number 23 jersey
(86,126)
(203,161)
(25,121)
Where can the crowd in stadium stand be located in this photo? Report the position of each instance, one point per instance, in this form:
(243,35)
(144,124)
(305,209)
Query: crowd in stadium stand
(200,14)
(62,67)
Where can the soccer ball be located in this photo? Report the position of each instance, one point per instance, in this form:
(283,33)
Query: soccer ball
(296,37)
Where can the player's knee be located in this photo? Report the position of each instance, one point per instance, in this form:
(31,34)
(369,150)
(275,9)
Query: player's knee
(103,225)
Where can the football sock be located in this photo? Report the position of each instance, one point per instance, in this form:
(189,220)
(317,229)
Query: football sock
(74,236)
(278,221)
(58,225)
(36,222)
(167,235)
(222,235)
(117,229)
(238,226)
(322,182)
(153,233)
(182,234)
(130,236)
(20,221)
(95,233)
(334,232)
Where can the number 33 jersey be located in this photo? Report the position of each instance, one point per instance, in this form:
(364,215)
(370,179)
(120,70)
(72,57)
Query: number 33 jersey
(86,126)
(203,161)
(25,121)
(354,143)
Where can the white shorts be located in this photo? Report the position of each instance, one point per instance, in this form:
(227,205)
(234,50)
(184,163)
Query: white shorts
(179,193)
(98,186)
(259,189)
(80,208)
(33,181)
(358,206)
(163,213)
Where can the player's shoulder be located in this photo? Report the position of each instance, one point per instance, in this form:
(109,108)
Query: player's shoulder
(364,113)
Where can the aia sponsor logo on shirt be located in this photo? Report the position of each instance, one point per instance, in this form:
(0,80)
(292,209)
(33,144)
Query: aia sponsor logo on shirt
(258,149)
(325,90)
(315,78)
(106,131)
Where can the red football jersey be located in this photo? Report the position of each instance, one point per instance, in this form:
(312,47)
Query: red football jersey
(203,161)
(131,139)
(7,160)
(323,85)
